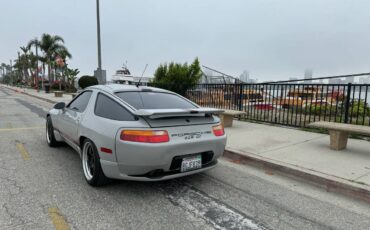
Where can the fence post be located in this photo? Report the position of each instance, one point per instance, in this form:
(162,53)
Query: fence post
(241,97)
(346,108)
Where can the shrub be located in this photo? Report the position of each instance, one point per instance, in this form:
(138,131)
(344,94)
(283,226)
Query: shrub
(55,85)
(317,109)
(86,81)
(177,77)
(314,109)
(358,108)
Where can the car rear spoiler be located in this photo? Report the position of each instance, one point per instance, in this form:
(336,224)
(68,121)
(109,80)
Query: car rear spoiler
(161,113)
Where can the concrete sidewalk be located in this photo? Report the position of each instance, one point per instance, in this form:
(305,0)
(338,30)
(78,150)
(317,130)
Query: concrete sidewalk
(302,151)
(49,97)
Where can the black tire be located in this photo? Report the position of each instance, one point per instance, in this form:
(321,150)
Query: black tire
(50,138)
(91,166)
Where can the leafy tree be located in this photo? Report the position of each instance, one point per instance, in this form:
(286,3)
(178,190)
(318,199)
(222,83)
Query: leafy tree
(86,81)
(50,47)
(177,77)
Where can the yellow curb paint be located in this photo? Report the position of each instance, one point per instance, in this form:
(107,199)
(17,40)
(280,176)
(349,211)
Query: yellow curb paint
(58,219)
(22,150)
(22,128)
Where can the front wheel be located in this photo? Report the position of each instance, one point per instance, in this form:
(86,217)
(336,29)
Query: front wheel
(91,165)
(50,138)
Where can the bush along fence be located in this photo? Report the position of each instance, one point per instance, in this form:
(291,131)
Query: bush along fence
(289,104)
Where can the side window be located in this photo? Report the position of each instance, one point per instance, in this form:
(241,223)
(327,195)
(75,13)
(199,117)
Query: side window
(108,108)
(80,103)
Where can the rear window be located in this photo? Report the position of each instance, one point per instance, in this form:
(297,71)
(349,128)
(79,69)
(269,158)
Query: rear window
(155,100)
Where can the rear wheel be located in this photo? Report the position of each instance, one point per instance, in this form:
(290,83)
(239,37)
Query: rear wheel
(91,165)
(50,138)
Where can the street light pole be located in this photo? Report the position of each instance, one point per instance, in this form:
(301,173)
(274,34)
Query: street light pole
(98,33)
(99,73)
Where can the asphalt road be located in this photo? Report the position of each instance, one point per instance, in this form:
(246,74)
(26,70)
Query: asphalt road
(44,188)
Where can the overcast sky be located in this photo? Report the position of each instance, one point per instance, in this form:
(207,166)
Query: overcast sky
(272,39)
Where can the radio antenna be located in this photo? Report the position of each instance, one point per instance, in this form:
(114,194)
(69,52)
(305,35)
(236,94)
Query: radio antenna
(137,85)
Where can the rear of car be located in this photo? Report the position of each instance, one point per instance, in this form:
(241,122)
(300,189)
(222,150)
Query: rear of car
(180,139)
(137,133)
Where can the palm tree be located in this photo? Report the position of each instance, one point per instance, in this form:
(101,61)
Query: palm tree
(8,77)
(24,62)
(35,43)
(51,45)
(32,66)
(43,60)
(26,65)
(23,59)
(18,68)
(3,69)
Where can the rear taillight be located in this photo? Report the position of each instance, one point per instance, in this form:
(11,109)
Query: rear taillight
(146,136)
(218,130)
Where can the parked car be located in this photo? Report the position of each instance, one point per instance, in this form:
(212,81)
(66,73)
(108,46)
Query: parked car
(136,133)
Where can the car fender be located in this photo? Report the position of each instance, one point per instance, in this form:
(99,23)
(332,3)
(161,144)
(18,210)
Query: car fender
(54,115)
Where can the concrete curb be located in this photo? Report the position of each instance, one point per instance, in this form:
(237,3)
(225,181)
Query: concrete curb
(328,182)
(40,98)
(31,95)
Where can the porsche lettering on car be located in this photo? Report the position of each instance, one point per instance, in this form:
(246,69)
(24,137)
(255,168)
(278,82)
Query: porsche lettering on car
(136,133)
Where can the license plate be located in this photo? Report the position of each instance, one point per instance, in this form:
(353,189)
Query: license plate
(191,163)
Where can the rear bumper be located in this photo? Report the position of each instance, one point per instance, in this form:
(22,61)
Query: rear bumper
(111,170)
(139,159)
(148,161)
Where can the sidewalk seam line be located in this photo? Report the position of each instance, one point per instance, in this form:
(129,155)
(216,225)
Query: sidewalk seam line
(368,173)
(283,147)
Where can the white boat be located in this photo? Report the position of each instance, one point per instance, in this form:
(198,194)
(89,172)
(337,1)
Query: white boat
(124,76)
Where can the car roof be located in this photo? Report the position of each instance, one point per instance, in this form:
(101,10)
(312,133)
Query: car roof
(114,88)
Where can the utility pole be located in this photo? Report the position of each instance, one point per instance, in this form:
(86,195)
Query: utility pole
(99,73)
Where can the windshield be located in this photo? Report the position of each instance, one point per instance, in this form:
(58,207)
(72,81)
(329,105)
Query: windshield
(155,100)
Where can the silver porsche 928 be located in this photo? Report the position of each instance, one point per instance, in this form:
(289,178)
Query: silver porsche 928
(136,133)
